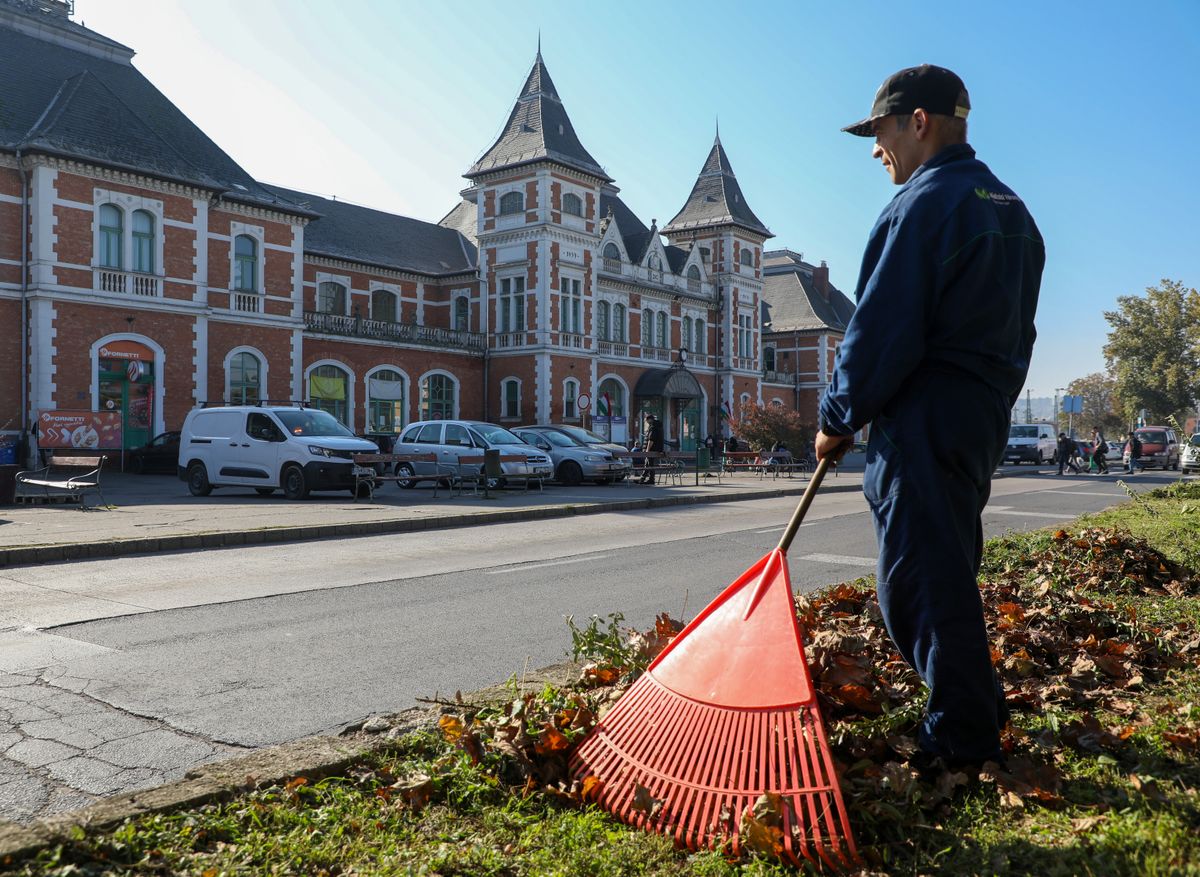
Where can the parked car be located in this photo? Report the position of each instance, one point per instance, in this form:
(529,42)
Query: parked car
(1160,447)
(451,439)
(160,454)
(574,461)
(620,452)
(293,448)
(1190,461)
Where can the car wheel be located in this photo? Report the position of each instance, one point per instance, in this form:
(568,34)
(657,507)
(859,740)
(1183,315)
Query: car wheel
(264,491)
(404,471)
(295,485)
(138,465)
(197,481)
(569,473)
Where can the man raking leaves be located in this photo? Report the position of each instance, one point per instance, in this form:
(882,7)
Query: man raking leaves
(933,359)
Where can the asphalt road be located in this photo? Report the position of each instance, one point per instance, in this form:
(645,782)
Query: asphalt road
(119,674)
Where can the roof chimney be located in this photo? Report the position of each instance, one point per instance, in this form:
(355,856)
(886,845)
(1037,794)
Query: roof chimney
(821,280)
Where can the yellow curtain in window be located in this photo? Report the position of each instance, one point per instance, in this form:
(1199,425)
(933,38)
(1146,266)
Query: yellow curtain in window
(326,388)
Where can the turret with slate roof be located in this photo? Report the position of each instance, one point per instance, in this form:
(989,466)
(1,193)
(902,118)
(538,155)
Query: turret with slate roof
(716,199)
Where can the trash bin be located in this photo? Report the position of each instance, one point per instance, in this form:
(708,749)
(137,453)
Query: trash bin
(8,483)
(702,458)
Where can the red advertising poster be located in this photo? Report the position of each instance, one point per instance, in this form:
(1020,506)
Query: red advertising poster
(81,430)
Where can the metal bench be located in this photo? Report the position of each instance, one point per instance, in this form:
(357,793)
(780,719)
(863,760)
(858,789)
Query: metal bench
(70,477)
(783,463)
(372,480)
(669,464)
(483,476)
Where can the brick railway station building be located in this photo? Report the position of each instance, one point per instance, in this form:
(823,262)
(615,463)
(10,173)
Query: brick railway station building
(143,272)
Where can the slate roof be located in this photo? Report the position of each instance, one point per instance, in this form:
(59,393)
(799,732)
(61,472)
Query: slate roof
(538,129)
(69,92)
(374,237)
(463,219)
(791,300)
(716,199)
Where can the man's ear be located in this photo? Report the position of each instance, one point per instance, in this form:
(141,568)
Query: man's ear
(921,123)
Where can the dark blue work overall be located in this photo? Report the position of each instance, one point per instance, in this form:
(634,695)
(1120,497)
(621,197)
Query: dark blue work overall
(934,359)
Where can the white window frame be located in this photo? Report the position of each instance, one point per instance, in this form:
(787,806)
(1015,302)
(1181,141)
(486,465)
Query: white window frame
(500,196)
(371,300)
(263,366)
(454,415)
(374,370)
(570,304)
(571,384)
(577,197)
(465,300)
(504,385)
(259,235)
(127,204)
(502,325)
(351,383)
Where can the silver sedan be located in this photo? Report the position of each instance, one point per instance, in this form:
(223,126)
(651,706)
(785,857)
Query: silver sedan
(574,462)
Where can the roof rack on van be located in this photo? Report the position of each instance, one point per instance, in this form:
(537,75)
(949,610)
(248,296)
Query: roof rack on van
(299,403)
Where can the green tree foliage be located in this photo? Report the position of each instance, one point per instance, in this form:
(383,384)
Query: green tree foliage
(761,426)
(1100,405)
(1153,351)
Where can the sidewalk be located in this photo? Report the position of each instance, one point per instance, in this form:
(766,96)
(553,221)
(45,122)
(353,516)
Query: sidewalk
(155,513)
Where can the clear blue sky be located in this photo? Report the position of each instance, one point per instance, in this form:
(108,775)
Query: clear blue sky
(1088,110)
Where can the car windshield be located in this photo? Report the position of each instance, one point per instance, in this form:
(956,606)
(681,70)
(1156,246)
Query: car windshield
(1154,438)
(1022,432)
(560,440)
(585,436)
(312,422)
(495,435)
(1195,442)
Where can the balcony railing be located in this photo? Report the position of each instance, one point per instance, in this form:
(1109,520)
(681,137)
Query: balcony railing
(612,348)
(510,339)
(693,284)
(247,302)
(128,282)
(611,266)
(778,377)
(410,333)
(570,339)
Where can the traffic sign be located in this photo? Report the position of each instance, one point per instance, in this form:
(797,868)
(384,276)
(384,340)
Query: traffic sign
(584,401)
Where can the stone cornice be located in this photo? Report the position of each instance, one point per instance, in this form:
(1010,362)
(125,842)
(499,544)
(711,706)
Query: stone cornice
(392,273)
(111,175)
(256,212)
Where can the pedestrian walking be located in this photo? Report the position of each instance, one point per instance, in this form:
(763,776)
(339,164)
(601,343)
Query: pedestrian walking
(946,299)
(654,445)
(1135,453)
(1099,451)
(1066,453)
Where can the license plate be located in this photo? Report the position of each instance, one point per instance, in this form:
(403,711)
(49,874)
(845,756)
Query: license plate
(363,470)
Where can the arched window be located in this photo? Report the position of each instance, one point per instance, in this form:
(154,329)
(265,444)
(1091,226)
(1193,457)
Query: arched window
(385,401)
(570,394)
(612,251)
(647,328)
(462,314)
(698,337)
(328,389)
(694,273)
(437,397)
(618,323)
(510,392)
(143,242)
(244,379)
(602,310)
(687,333)
(653,262)
(331,298)
(747,257)
(383,306)
(511,202)
(616,397)
(245,263)
(573,204)
(111,234)
(769,359)
(662,329)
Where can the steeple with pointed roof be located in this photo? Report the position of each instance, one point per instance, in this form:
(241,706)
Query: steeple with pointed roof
(716,199)
(538,129)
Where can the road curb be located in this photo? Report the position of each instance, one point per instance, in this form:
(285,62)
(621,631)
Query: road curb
(311,757)
(34,554)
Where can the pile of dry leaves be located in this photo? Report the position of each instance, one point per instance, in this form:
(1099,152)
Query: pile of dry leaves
(1065,636)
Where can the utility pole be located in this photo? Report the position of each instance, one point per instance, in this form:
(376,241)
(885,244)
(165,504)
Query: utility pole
(1028,407)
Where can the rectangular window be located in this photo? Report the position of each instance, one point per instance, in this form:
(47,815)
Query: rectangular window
(143,253)
(512,304)
(512,399)
(745,336)
(569,396)
(571,307)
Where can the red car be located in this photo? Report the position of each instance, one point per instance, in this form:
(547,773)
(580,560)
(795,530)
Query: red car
(1160,447)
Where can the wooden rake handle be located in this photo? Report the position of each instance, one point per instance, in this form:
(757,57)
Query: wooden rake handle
(789,533)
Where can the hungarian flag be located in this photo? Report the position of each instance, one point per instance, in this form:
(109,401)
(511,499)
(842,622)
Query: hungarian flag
(726,413)
(604,406)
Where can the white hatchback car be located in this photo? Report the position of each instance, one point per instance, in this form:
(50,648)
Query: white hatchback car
(268,448)
(1189,460)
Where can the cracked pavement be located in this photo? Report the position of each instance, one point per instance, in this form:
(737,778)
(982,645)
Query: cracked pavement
(60,750)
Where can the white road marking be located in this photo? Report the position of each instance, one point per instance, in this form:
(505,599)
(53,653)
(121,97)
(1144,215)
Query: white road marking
(521,567)
(1009,510)
(1083,493)
(841,559)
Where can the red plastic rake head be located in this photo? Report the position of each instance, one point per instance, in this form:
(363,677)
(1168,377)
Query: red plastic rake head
(725,715)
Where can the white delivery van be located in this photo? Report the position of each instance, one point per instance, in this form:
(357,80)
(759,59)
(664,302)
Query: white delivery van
(1035,442)
(268,448)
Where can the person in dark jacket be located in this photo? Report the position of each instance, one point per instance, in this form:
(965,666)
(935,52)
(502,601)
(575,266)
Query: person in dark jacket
(946,298)
(1066,453)
(654,444)
(1135,453)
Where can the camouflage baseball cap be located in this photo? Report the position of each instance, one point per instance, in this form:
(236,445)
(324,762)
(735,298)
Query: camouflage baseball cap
(933,89)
